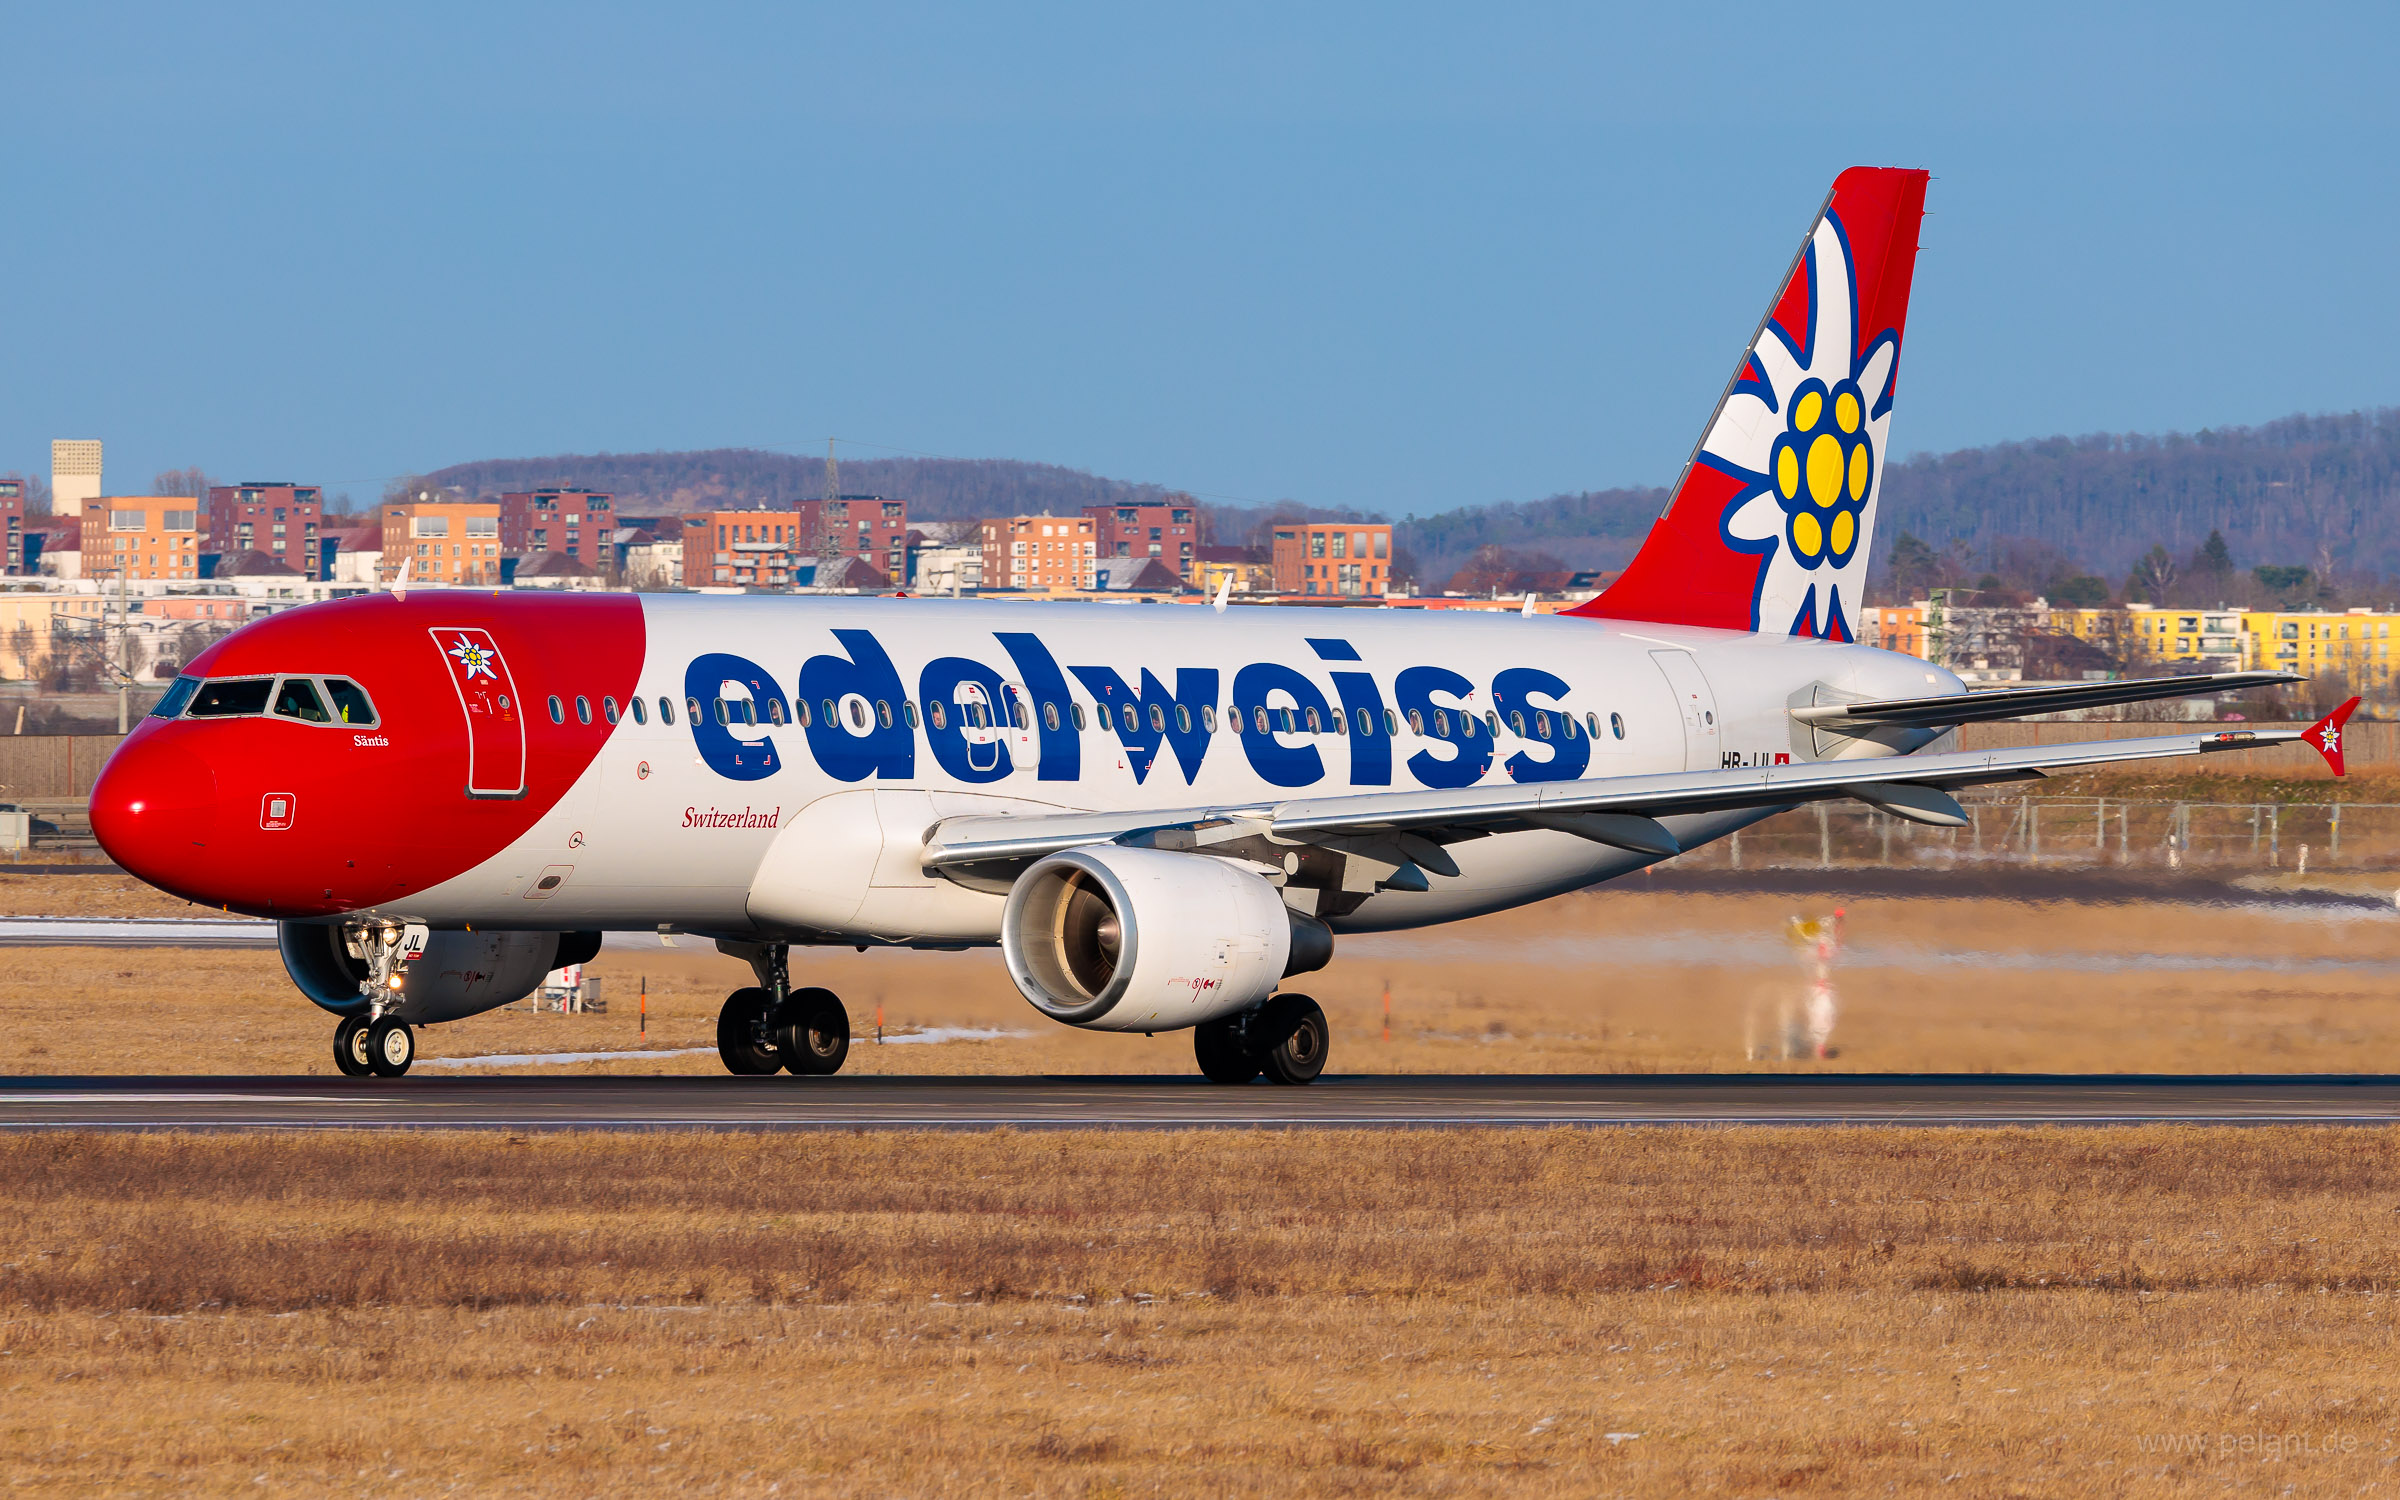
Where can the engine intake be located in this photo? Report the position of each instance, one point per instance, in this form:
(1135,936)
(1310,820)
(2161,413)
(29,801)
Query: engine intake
(1118,939)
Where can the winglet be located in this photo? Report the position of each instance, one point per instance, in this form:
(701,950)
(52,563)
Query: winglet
(2325,735)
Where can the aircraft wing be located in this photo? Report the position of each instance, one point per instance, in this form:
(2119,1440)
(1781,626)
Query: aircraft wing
(1620,810)
(2011,703)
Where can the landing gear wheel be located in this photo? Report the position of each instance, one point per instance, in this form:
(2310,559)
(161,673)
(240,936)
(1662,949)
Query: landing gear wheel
(812,1031)
(742,1038)
(350,1047)
(390,1047)
(1222,1053)
(1299,1054)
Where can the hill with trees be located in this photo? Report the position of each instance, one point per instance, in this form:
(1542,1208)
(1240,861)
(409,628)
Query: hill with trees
(2307,508)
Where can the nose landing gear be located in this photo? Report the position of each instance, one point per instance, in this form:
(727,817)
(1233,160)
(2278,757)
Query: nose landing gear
(771,1027)
(378,1043)
(1286,1039)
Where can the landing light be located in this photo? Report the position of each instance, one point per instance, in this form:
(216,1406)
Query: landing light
(137,807)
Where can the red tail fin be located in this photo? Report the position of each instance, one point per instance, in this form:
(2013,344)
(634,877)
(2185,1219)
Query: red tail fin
(1771,520)
(2325,735)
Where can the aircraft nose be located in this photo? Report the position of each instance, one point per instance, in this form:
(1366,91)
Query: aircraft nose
(154,809)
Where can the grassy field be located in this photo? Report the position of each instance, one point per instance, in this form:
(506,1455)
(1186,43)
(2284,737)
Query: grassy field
(1616,980)
(1650,1312)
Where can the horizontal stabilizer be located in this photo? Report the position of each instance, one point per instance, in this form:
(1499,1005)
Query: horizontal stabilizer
(2016,703)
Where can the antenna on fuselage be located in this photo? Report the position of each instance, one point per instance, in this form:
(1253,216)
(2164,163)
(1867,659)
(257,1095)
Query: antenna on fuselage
(1224,591)
(1527,612)
(400,580)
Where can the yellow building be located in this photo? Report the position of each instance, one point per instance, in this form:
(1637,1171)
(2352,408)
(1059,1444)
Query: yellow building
(2356,643)
(443,541)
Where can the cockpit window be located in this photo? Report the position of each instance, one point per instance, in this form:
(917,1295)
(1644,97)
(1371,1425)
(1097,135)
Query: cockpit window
(232,698)
(350,704)
(297,699)
(177,697)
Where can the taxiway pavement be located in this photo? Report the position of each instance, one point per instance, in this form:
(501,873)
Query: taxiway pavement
(1184,1102)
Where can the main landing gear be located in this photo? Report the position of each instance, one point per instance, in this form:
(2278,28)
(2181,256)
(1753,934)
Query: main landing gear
(805,1031)
(1285,1039)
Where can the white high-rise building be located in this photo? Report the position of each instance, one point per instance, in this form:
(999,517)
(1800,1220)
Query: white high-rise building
(74,474)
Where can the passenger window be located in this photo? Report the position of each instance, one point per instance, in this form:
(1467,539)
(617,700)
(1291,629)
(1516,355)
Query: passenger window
(883,713)
(1315,724)
(692,707)
(774,710)
(1491,721)
(177,696)
(1616,725)
(583,709)
(749,710)
(1516,723)
(297,699)
(1441,722)
(1258,720)
(935,715)
(1391,721)
(1341,722)
(1291,723)
(350,702)
(1050,716)
(1133,725)
(558,710)
(724,716)
(1183,719)
(232,699)
(1366,722)
(608,708)
(1158,719)
(666,709)
(1208,717)
(1017,714)
(833,715)
(641,715)
(908,710)
(800,712)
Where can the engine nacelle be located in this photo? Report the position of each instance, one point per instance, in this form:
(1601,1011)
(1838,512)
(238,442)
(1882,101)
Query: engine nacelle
(1118,939)
(459,974)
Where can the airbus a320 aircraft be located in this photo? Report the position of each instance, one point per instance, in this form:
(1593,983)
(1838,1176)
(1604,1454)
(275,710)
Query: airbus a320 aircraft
(1158,815)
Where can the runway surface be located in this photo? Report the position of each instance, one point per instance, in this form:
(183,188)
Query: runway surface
(1134,1102)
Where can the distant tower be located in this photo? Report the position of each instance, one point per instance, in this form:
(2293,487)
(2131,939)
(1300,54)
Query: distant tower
(832,542)
(74,474)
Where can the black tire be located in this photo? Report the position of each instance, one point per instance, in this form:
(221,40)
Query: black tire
(1222,1055)
(391,1047)
(1295,1025)
(350,1047)
(739,1040)
(813,1033)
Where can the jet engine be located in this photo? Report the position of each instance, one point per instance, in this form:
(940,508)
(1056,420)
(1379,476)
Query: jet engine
(1119,939)
(459,973)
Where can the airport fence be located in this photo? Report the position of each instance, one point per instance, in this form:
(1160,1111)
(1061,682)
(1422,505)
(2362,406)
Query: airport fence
(2065,832)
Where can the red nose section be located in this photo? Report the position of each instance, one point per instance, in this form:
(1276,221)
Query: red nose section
(154,810)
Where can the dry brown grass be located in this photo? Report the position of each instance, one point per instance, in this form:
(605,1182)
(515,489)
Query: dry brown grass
(1395,1313)
(1619,980)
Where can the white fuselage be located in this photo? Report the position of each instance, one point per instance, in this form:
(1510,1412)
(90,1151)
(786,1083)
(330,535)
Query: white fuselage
(814,831)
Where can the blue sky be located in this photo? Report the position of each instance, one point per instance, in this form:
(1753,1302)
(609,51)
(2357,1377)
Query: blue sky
(1395,257)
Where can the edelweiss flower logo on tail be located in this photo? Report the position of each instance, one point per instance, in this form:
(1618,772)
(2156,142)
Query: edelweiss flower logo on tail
(1803,432)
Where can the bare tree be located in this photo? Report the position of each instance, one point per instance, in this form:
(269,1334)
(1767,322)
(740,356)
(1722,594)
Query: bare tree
(180,482)
(21,645)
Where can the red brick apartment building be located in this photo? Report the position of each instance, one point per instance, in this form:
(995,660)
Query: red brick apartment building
(279,519)
(873,530)
(12,510)
(1170,533)
(1346,559)
(568,520)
